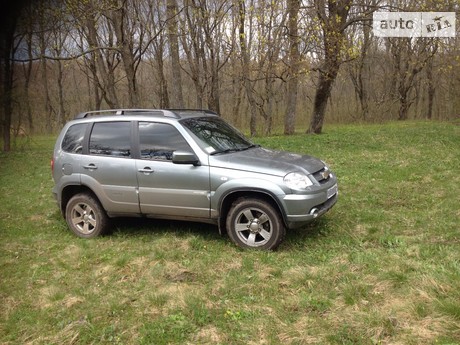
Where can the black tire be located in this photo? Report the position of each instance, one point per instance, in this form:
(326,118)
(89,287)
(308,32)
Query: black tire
(255,223)
(85,216)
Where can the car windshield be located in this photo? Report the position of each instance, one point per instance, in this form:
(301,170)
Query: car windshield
(216,136)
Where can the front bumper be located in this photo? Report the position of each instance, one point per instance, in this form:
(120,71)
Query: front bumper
(302,209)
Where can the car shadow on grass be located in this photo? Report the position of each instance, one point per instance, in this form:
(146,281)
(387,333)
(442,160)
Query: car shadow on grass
(152,227)
(127,227)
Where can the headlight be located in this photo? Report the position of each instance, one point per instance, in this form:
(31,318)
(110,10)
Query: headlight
(297,181)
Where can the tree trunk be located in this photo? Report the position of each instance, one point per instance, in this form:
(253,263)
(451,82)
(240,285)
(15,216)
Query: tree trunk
(403,110)
(61,118)
(125,45)
(246,70)
(268,113)
(323,92)
(44,67)
(92,82)
(6,42)
(177,98)
(8,28)
(431,89)
(94,87)
(333,23)
(107,76)
(28,75)
(214,94)
(193,51)
(360,78)
(294,60)
(163,85)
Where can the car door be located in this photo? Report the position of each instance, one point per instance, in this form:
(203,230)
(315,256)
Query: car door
(165,188)
(109,169)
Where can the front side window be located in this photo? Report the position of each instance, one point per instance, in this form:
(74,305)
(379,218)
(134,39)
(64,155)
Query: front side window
(158,141)
(111,139)
(73,139)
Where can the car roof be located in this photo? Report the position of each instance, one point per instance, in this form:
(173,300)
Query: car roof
(169,113)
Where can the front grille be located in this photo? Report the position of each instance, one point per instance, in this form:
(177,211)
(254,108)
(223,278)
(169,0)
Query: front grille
(322,176)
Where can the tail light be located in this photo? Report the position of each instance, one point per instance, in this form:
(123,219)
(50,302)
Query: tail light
(52,165)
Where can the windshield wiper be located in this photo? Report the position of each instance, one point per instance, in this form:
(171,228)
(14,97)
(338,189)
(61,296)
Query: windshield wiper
(224,151)
(234,150)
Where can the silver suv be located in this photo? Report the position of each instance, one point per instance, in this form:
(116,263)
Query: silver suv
(187,165)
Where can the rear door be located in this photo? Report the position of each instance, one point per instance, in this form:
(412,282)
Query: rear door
(108,167)
(166,188)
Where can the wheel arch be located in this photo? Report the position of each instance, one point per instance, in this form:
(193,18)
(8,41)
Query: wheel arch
(69,191)
(227,200)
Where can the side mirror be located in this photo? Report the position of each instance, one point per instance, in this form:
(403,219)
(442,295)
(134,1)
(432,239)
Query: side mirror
(183,157)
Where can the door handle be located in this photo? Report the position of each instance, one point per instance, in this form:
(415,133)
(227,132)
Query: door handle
(146,171)
(90,166)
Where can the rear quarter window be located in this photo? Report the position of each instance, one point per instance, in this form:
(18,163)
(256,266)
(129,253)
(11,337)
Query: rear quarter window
(73,139)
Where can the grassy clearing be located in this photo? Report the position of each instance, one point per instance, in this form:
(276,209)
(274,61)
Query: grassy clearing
(383,267)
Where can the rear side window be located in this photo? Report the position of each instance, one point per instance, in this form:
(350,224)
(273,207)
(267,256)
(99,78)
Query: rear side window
(158,141)
(111,139)
(73,139)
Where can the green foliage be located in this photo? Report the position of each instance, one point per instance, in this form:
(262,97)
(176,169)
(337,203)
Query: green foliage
(382,267)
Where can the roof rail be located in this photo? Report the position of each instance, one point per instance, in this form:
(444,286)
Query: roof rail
(158,112)
(174,113)
(203,111)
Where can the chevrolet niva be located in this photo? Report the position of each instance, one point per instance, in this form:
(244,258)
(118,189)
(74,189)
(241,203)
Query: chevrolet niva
(184,165)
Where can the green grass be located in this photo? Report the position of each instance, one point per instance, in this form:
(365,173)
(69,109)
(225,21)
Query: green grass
(383,267)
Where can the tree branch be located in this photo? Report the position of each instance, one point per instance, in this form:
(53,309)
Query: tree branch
(61,58)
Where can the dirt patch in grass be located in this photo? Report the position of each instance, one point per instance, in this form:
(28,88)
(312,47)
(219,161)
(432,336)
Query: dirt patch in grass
(208,335)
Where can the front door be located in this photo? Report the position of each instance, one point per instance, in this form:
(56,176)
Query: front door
(166,188)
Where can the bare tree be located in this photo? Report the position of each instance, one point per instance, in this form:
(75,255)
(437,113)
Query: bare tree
(332,16)
(99,37)
(130,31)
(359,69)
(409,57)
(205,47)
(7,49)
(89,68)
(269,65)
(192,43)
(58,37)
(27,65)
(124,42)
(177,98)
(293,8)
(245,58)
(431,90)
(235,74)
(44,43)
(154,16)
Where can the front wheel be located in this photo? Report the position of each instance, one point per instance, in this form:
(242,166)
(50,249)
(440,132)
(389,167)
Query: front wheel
(85,216)
(255,223)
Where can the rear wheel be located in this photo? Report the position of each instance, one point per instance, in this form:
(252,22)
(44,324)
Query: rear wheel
(85,216)
(255,223)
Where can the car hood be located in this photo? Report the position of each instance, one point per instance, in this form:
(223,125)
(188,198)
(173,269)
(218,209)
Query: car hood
(261,160)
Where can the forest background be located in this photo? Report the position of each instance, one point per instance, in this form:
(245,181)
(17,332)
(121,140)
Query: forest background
(266,66)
